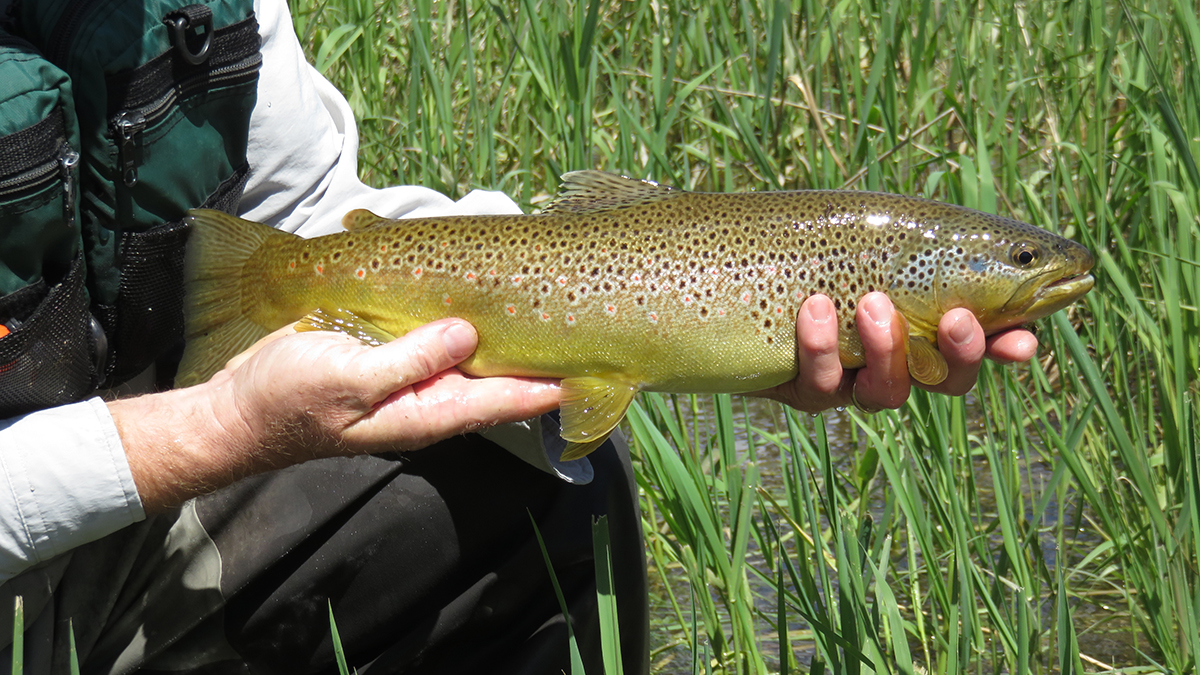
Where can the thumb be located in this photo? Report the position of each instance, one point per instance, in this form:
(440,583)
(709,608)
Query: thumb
(416,356)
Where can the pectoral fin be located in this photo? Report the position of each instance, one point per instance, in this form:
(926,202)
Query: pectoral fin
(925,363)
(345,321)
(591,407)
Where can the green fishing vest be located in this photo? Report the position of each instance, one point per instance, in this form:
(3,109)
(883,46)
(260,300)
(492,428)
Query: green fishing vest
(116,117)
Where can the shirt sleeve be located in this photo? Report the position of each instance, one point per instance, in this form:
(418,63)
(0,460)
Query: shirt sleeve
(303,149)
(64,481)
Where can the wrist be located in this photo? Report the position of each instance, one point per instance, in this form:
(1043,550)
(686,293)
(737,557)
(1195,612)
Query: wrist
(184,443)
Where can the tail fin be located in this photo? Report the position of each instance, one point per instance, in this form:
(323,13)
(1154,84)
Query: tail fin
(215,322)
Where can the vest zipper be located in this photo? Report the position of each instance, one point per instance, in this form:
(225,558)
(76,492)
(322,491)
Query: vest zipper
(128,123)
(64,30)
(33,180)
(67,159)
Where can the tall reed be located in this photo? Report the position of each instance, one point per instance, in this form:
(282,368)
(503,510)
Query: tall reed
(1051,514)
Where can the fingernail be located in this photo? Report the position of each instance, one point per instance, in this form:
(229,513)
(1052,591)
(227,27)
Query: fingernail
(821,311)
(879,310)
(961,333)
(459,339)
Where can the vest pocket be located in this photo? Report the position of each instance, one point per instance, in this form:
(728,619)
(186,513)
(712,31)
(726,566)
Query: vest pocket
(49,354)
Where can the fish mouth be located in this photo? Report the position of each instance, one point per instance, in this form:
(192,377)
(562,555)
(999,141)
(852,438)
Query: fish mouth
(1050,297)
(1076,283)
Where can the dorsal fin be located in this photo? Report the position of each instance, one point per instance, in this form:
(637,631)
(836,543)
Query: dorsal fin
(599,191)
(361,219)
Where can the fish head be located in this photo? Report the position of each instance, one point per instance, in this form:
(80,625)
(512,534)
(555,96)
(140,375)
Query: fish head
(1004,271)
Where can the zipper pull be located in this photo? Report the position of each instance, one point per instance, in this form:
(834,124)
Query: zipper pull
(128,124)
(67,159)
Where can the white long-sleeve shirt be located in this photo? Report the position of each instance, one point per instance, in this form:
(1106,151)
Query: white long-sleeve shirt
(64,478)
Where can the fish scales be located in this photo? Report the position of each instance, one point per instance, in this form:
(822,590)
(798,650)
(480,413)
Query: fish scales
(643,287)
(711,279)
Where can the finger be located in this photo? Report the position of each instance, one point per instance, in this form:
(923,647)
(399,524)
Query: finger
(1012,346)
(883,382)
(961,342)
(819,374)
(416,356)
(448,404)
(818,365)
(235,362)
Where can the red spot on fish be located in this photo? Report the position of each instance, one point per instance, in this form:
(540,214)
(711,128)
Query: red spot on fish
(361,273)
(720,312)
(545,316)
(445,244)
(604,250)
(714,272)
(746,298)
(635,278)
(653,317)
(446,299)
(511,309)
(537,247)
(687,299)
(611,309)
(320,269)
(418,272)
(771,269)
(383,249)
(492,272)
(292,265)
(779,310)
(517,279)
(470,276)
(799,295)
(570,319)
(562,281)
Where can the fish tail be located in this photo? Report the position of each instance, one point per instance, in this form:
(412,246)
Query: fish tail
(216,325)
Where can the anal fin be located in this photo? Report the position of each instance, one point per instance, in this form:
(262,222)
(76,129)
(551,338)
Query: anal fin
(591,407)
(345,321)
(581,450)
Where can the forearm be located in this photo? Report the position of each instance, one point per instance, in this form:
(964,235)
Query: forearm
(186,442)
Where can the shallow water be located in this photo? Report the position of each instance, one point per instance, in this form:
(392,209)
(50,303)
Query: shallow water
(1105,635)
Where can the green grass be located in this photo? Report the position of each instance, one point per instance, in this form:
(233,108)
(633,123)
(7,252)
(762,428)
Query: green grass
(1009,532)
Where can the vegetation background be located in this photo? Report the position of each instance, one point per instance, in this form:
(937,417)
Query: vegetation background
(1049,522)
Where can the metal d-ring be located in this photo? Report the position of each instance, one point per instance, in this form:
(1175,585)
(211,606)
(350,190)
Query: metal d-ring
(179,23)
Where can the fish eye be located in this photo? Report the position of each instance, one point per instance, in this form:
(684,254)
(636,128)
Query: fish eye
(1025,253)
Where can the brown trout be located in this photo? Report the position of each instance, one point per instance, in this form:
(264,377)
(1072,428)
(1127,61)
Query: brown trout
(623,285)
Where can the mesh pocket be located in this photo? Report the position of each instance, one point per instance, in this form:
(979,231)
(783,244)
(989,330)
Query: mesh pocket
(149,311)
(47,361)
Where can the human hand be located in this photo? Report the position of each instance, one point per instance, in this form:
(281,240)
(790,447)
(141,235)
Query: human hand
(292,398)
(822,383)
(354,399)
